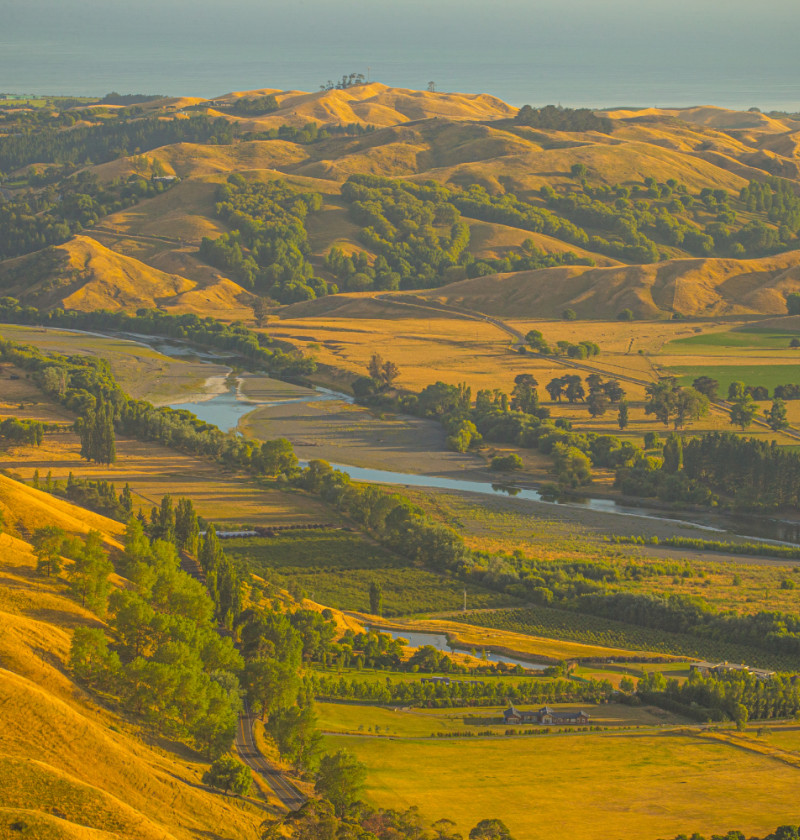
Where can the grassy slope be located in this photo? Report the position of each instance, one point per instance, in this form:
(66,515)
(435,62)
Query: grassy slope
(68,767)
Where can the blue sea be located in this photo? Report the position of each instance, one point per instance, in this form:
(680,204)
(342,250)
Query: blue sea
(730,53)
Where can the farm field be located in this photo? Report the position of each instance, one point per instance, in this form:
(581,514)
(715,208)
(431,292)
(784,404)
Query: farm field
(348,718)
(628,785)
(152,470)
(428,348)
(595,630)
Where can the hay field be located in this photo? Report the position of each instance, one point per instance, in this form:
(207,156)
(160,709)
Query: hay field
(592,786)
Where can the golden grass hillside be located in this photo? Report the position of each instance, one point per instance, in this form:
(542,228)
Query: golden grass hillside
(694,287)
(70,768)
(85,275)
(27,509)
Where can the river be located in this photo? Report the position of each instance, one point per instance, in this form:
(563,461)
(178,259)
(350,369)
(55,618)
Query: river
(439,641)
(226,409)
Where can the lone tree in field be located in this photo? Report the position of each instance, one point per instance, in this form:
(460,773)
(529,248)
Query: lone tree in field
(490,830)
(793,303)
(375,598)
(340,779)
(382,373)
(227,774)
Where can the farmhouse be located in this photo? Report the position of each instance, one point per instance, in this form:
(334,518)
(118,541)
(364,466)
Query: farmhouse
(545,715)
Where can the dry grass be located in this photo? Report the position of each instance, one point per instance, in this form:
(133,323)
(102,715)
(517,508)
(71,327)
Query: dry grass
(68,767)
(623,785)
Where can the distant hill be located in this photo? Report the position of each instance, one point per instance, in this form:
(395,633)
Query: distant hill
(698,288)
(146,254)
(83,274)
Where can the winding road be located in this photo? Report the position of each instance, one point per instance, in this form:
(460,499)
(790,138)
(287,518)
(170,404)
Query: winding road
(289,795)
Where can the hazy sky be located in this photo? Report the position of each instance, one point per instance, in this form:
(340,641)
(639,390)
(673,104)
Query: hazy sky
(461,42)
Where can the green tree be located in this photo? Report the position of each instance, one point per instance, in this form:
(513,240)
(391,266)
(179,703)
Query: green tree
(294,730)
(490,830)
(187,529)
(228,774)
(270,685)
(47,543)
(597,402)
(736,390)
(793,303)
(88,575)
(673,453)
(569,315)
(375,598)
(776,416)
(525,397)
(625,315)
(578,170)
(90,660)
(340,779)
(744,411)
(622,414)
(706,385)
(277,457)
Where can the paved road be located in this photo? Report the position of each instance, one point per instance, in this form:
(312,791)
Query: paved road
(288,794)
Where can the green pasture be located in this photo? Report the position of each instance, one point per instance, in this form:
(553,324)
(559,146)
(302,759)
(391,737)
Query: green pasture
(406,591)
(766,374)
(306,550)
(589,785)
(752,338)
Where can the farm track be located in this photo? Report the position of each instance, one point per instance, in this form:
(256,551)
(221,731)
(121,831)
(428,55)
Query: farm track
(145,237)
(719,406)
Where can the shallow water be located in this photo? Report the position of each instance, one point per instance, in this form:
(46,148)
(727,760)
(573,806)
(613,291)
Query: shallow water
(439,641)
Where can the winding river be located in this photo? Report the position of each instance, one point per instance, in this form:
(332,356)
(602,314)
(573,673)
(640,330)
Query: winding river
(226,409)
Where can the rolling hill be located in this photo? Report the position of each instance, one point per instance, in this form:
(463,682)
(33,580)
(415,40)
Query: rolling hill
(147,255)
(66,762)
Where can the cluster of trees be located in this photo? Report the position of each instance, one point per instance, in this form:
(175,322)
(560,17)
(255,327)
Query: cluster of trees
(29,432)
(776,197)
(267,249)
(163,658)
(340,814)
(669,402)
(253,347)
(309,133)
(563,119)
(582,350)
(33,220)
(348,80)
(418,232)
(640,215)
(95,494)
(253,106)
(88,567)
(108,139)
(736,695)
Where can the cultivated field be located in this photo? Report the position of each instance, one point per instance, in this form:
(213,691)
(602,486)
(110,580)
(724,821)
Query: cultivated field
(627,785)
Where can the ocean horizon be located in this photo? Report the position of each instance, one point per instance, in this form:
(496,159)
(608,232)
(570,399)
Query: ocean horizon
(577,54)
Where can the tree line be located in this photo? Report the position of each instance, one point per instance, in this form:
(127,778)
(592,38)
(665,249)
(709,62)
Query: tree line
(109,139)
